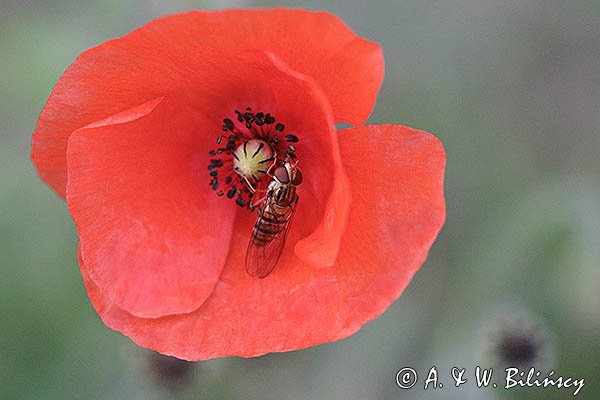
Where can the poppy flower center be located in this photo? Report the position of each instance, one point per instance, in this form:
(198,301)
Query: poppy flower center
(252,147)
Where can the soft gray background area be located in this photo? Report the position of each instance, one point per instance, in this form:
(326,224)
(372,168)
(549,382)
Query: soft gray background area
(512,88)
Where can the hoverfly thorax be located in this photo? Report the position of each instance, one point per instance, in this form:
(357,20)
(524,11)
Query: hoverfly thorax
(285,179)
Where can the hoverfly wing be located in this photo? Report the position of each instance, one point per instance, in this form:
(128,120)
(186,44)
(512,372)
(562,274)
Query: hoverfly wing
(268,240)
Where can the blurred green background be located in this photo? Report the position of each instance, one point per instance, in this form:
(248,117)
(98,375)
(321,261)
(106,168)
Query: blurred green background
(512,88)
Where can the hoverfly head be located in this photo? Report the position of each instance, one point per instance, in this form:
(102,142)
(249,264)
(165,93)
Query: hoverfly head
(289,173)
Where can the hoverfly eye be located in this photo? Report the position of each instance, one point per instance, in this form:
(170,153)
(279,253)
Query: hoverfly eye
(298,178)
(282,175)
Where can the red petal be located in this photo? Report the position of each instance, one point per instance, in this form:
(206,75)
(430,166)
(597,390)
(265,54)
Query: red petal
(138,192)
(348,68)
(325,192)
(396,214)
(172,54)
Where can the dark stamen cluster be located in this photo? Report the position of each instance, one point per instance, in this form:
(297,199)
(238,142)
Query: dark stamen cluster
(250,125)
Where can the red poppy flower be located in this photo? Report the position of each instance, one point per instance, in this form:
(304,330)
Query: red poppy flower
(126,137)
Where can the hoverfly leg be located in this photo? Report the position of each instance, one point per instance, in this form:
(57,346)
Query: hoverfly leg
(246,181)
(273,164)
(257,202)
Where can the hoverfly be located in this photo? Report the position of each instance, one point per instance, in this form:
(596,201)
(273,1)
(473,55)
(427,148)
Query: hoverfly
(275,215)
